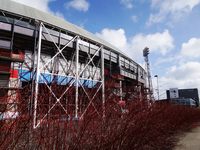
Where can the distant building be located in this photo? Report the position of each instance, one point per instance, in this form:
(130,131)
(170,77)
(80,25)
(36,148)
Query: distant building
(184,96)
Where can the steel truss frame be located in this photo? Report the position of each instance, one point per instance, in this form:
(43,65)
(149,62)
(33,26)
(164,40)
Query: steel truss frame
(76,77)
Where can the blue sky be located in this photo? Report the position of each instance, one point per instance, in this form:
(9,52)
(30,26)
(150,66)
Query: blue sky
(170,28)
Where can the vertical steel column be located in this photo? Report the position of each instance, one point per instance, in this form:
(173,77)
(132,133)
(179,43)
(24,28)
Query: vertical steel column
(33,62)
(37,76)
(13,34)
(140,92)
(77,77)
(120,84)
(102,80)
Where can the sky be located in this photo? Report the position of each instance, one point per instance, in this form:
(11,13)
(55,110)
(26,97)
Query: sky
(170,28)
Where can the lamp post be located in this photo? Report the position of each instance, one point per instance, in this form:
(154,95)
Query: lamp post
(156,76)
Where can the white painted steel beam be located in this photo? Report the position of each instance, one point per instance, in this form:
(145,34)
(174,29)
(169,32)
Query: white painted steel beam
(121,93)
(103,80)
(38,72)
(77,77)
(37,76)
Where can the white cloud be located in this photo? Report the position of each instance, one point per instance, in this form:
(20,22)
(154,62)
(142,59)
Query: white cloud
(172,9)
(190,51)
(155,18)
(38,4)
(127,3)
(185,71)
(186,75)
(134,18)
(157,42)
(59,14)
(81,5)
(191,48)
(115,37)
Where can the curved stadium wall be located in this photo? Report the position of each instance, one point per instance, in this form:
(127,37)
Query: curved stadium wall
(38,49)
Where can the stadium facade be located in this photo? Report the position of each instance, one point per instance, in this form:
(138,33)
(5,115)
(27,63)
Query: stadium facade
(61,66)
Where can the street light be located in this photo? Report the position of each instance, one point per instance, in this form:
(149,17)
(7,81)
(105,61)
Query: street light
(156,76)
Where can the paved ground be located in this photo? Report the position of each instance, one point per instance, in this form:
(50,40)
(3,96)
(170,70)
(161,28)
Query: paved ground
(189,140)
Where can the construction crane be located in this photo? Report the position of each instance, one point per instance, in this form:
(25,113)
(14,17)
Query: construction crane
(147,68)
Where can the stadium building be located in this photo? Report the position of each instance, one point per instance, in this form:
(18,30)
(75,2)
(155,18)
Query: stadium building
(59,67)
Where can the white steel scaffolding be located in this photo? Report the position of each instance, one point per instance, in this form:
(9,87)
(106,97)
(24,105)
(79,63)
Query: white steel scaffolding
(75,76)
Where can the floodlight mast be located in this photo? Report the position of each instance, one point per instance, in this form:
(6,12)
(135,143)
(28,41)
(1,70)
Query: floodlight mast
(147,68)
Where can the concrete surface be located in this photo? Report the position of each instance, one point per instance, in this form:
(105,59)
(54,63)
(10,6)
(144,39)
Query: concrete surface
(189,140)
